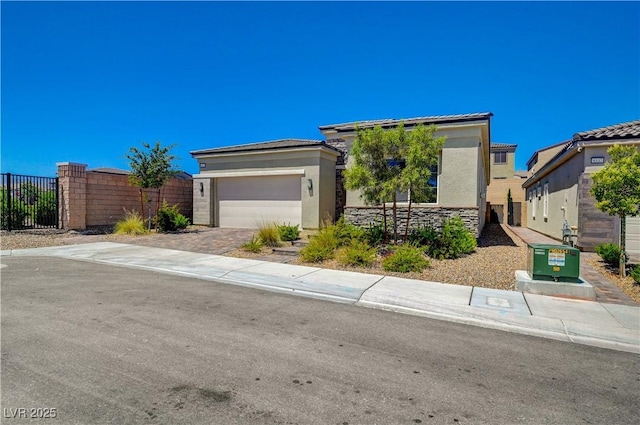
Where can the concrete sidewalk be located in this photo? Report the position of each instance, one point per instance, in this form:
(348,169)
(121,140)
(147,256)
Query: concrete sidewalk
(583,322)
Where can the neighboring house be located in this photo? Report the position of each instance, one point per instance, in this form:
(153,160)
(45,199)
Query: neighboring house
(285,181)
(460,180)
(505,179)
(540,157)
(559,189)
(300,181)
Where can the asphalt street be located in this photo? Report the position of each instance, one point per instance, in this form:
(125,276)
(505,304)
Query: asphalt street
(110,345)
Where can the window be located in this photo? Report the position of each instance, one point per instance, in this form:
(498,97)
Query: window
(500,157)
(429,188)
(535,206)
(545,201)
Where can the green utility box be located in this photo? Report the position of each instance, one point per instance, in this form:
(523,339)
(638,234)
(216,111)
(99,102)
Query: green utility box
(559,263)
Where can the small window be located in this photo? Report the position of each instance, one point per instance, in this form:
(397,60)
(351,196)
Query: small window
(500,157)
(545,201)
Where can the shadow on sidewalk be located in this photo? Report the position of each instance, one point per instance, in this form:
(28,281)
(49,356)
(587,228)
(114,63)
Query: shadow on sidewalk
(494,235)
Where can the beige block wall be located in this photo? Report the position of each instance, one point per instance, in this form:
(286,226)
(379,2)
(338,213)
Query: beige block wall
(98,198)
(497,194)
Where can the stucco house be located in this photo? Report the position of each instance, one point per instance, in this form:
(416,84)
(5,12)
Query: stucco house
(559,189)
(300,181)
(504,180)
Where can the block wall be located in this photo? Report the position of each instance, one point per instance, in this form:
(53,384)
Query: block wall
(96,198)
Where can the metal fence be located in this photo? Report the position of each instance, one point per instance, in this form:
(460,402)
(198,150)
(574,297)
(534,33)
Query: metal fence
(28,202)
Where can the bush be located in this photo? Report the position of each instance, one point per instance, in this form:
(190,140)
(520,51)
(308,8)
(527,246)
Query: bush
(18,212)
(254,245)
(269,235)
(453,241)
(288,233)
(169,218)
(635,273)
(45,209)
(346,232)
(374,234)
(425,236)
(321,246)
(405,258)
(358,253)
(131,224)
(610,253)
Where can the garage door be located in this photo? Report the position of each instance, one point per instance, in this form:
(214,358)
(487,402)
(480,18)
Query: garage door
(246,202)
(633,238)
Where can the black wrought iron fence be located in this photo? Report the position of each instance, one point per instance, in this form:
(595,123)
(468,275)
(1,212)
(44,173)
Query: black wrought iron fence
(28,202)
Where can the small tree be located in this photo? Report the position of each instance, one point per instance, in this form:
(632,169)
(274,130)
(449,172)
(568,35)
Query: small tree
(616,188)
(422,152)
(370,168)
(390,161)
(151,168)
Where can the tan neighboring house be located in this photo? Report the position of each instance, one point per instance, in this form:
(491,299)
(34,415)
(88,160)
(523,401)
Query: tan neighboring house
(505,179)
(559,189)
(299,181)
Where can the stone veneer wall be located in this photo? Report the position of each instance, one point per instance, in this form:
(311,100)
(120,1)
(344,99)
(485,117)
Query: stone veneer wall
(420,215)
(341,194)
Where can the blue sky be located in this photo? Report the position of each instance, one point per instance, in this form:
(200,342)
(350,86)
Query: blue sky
(83,82)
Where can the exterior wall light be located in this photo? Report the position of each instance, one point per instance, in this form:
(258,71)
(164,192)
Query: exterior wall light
(310,186)
(201,189)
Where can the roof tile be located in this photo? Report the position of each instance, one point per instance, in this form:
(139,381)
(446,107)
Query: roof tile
(624,130)
(272,144)
(433,119)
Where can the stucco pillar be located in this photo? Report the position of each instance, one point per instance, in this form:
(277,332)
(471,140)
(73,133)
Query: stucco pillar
(72,206)
(203,201)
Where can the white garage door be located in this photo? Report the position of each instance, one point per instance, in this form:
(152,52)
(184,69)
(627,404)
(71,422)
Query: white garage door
(247,202)
(633,237)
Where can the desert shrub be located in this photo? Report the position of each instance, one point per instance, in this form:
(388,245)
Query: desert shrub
(610,253)
(346,232)
(404,259)
(18,212)
(425,236)
(321,246)
(635,273)
(44,211)
(453,241)
(374,234)
(358,253)
(254,245)
(131,224)
(169,218)
(288,233)
(268,234)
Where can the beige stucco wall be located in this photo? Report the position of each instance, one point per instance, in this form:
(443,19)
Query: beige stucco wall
(315,163)
(506,169)
(563,192)
(461,171)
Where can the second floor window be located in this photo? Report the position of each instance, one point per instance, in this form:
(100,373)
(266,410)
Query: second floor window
(500,157)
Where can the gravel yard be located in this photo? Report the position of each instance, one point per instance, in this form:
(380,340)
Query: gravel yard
(499,254)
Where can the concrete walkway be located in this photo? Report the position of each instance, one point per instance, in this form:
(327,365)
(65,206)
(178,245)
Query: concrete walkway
(605,325)
(606,292)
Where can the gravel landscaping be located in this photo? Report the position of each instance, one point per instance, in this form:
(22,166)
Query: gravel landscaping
(499,254)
